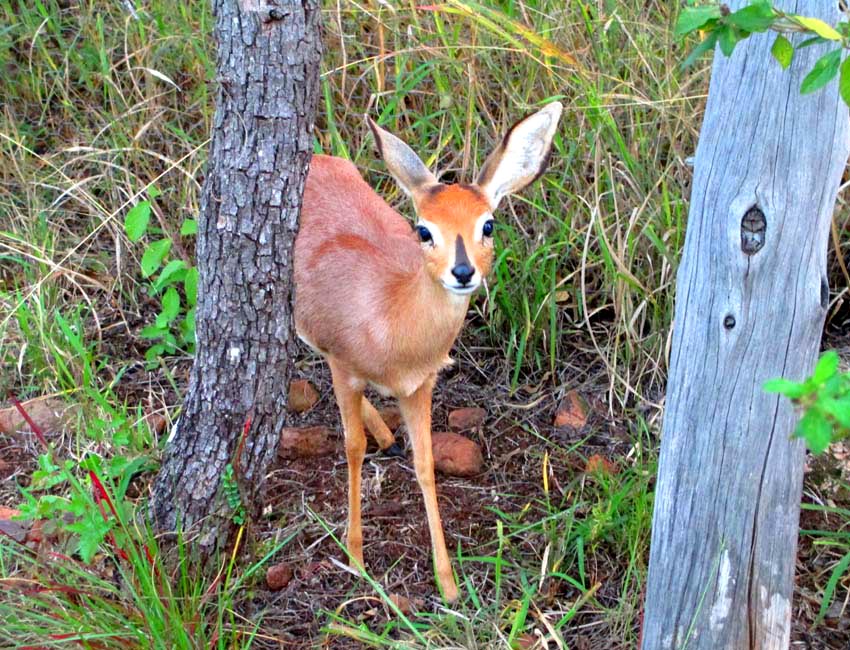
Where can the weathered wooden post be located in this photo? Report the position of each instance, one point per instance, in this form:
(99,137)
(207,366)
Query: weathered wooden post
(752,293)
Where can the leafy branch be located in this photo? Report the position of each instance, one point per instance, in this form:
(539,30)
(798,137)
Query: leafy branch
(824,399)
(726,28)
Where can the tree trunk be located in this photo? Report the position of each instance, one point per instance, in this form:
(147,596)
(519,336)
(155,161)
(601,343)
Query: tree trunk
(268,72)
(751,301)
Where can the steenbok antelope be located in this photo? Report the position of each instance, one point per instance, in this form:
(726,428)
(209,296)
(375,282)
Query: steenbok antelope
(383,303)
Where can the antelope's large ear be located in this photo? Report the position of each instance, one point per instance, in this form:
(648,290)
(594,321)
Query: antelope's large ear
(409,171)
(522,156)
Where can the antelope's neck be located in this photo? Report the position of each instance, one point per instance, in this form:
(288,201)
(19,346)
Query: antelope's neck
(430,318)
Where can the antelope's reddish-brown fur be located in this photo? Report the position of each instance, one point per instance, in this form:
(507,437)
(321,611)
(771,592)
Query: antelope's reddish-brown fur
(384,304)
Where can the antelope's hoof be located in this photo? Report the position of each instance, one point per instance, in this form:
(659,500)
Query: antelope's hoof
(394,451)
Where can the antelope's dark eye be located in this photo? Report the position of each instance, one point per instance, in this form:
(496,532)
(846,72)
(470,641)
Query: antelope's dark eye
(424,234)
(487,228)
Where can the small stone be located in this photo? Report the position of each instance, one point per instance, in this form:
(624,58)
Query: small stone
(15,529)
(455,455)
(391,415)
(156,422)
(278,576)
(302,396)
(50,415)
(466,419)
(598,464)
(572,411)
(305,442)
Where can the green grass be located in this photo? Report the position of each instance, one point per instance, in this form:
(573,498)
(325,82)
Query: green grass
(98,107)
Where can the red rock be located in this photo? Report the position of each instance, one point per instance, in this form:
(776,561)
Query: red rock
(305,442)
(302,396)
(278,576)
(156,422)
(51,415)
(391,415)
(599,464)
(455,455)
(466,419)
(9,527)
(8,513)
(572,411)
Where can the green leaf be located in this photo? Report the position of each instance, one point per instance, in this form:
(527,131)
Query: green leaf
(826,367)
(822,73)
(153,256)
(844,81)
(706,45)
(153,352)
(92,530)
(757,17)
(838,409)
(782,51)
(170,274)
(819,27)
(153,191)
(814,40)
(136,221)
(190,284)
(728,39)
(171,304)
(189,227)
(837,573)
(152,332)
(816,430)
(692,18)
(791,389)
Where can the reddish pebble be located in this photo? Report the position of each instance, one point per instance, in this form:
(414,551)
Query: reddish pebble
(278,576)
(572,412)
(455,455)
(302,396)
(466,419)
(305,442)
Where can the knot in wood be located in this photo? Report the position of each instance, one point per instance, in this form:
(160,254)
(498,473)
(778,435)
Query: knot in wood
(729,321)
(753,227)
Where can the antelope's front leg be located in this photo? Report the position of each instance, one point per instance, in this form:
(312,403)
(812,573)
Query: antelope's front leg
(416,410)
(350,399)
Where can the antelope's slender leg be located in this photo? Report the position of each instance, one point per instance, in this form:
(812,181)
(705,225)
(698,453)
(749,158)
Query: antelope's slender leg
(376,425)
(349,398)
(416,410)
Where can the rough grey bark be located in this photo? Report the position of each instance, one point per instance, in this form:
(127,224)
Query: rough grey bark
(268,71)
(751,300)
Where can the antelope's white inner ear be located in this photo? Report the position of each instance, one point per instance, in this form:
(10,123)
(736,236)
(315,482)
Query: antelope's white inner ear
(407,169)
(522,155)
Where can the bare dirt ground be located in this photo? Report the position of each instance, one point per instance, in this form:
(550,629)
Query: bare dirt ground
(306,498)
(396,538)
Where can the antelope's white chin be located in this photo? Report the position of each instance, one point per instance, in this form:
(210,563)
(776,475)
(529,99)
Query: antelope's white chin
(461,290)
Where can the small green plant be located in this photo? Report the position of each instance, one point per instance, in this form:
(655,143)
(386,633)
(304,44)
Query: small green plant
(233,496)
(824,399)
(174,327)
(80,512)
(727,28)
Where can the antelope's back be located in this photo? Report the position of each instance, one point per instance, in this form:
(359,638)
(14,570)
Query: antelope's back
(351,250)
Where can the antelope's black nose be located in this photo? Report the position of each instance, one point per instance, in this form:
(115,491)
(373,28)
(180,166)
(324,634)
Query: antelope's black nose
(463,273)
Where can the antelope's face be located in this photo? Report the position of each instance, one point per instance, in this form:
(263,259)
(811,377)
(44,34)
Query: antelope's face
(455,229)
(455,222)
